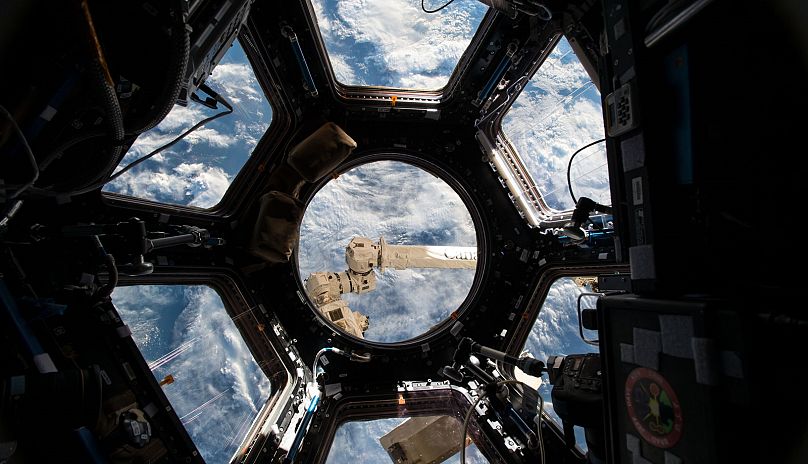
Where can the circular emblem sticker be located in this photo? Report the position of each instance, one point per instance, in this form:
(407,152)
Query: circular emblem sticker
(653,407)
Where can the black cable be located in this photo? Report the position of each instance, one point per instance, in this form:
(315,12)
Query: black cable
(169,144)
(131,165)
(437,9)
(466,427)
(106,290)
(28,151)
(482,396)
(569,166)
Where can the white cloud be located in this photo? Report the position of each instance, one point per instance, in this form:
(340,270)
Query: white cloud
(181,118)
(194,184)
(343,71)
(238,81)
(141,308)
(210,136)
(369,45)
(421,81)
(218,386)
(207,184)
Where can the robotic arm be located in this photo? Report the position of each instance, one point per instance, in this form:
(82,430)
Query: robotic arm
(363,255)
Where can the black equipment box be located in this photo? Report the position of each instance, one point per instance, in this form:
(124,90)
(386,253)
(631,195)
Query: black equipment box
(675,380)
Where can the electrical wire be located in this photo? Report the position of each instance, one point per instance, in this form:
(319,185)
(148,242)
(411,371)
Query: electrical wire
(538,426)
(662,13)
(317,360)
(169,144)
(173,354)
(28,151)
(197,411)
(423,7)
(569,166)
(482,397)
(143,158)
(466,427)
(112,282)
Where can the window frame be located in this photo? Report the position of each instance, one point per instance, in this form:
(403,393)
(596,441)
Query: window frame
(446,400)
(245,179)
(541,290)
(506,161)
(383,96)
(278,349)
(451,178)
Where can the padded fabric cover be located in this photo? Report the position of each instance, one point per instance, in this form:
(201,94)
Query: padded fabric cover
(321,152)
(285,179)
(277,228)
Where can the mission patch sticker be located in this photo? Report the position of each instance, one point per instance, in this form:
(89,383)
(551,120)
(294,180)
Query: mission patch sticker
(653,407)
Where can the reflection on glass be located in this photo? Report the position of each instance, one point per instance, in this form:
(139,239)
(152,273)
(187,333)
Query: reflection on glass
(406,206)
(198,170)
(418,439)
(558,112)
(555,332)
(368,43)
(184,331)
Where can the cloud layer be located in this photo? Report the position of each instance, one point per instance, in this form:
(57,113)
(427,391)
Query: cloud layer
(406,206)
(185,331)
(557,113)
(369,43)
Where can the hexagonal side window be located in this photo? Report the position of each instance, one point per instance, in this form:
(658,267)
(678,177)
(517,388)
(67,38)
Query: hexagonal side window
(559,112)
(196,352)
(199,169)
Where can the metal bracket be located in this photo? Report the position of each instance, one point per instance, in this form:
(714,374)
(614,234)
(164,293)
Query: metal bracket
(580,323)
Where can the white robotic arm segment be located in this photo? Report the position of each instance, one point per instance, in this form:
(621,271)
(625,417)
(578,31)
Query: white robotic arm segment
(325,287)
(363,255)
(361,283)
(436,257)
(343,317)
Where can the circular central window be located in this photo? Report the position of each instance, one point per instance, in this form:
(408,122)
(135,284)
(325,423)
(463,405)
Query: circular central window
(387,251)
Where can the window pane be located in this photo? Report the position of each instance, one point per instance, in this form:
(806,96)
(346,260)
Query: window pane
(369,43)
(198,170)
(184,331)
(406,206)
(418,439)
(557,113)
(555,332)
